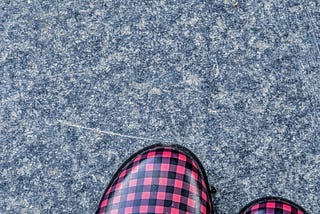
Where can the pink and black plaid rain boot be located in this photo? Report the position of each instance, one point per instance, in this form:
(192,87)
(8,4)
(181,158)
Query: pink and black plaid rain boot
(158,179)
(272,205)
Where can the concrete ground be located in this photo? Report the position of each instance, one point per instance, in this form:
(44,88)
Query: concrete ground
(84,84)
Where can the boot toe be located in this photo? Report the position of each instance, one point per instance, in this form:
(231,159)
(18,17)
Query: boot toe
(159,179)
(272,205)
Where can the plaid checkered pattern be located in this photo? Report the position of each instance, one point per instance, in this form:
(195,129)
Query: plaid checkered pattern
(161,179)
(273,207)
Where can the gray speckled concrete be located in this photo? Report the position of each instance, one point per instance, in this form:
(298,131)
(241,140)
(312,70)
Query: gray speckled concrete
(84,85)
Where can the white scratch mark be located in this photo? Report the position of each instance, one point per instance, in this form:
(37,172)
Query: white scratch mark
(217,67)
(67,123)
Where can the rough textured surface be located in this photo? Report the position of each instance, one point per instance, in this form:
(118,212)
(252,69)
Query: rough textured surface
(84,85)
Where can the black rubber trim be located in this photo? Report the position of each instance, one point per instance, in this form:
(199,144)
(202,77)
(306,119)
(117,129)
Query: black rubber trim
(274,198)
(148,148)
